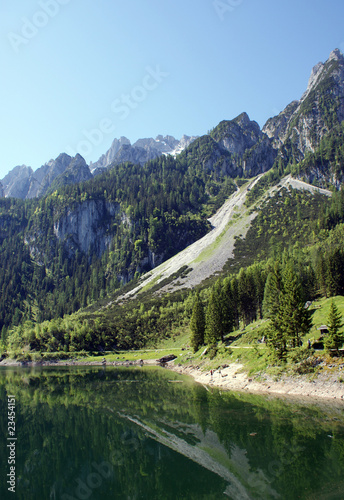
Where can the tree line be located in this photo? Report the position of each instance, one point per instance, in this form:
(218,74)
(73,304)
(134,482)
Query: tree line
(276,292)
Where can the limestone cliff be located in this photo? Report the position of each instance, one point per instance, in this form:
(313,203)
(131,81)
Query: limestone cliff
(234,148)
(22,182)
(302,124)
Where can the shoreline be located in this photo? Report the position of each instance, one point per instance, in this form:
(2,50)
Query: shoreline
(74,362)
(232,377)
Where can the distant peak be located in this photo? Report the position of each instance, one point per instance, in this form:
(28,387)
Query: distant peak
(336,55)
(63,156)
(78,158)
(242,119)
(317,71)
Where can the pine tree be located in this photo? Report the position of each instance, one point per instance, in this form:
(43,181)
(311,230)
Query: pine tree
(247,296)
(334,339)
(197,324)
(227,309)
(296,319)
(213,319)
(335,280)
(273,309)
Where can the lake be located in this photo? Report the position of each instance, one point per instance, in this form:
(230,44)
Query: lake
(80,433)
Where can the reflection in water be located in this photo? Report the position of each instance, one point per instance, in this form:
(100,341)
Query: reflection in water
(101,433)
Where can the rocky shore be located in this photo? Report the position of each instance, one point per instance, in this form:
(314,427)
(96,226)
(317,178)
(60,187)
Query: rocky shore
(232,377)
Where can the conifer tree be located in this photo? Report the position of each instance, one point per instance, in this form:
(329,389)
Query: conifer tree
(296,319)
(227,306)
(273,292)
(334,339)
(247,296)
(335,280)
(273,309)
(197,324)
(213,319)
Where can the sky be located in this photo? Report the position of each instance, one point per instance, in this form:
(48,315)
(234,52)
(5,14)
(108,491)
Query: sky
(75,74)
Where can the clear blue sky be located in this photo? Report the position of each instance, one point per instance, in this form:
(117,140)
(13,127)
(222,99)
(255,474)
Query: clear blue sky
(78,73)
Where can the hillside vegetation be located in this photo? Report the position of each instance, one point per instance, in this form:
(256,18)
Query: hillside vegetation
(232,231)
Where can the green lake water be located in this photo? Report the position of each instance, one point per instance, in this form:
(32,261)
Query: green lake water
(148,433)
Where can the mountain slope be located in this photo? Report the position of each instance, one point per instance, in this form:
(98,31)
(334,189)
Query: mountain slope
(207,257)
(235,148)
(300,127)
(82,241)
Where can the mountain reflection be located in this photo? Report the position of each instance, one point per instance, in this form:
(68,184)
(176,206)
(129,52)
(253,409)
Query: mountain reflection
(135,433)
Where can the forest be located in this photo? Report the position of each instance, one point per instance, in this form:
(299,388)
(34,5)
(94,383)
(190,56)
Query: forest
(275,288)
(58,296)
(162,208)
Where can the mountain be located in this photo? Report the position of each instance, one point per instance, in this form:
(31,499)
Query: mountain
(141,151)
(107,158)
(17,182)
(22,182)
(46,174)
(234,148)
(227,200)
(76,171)
(208,256)
(299,128)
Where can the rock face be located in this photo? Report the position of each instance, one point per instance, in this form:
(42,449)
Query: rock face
(84,226)
(304,123)
(23,182)
(17,183)
(135,154)
(107,158)
(76,171)
(46,174)
(238,135)
(233,148)
(2,194)
(141,151)
(276,128)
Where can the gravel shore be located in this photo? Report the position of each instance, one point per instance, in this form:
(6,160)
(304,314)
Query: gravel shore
(324,385)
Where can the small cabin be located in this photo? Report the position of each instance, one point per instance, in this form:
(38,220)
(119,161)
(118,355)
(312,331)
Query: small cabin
(323,329)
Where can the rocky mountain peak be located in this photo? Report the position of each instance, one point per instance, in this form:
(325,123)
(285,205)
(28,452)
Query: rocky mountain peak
(336,55)
(303,123)
(17,182)
(23,182)
(169,141)
(237,135)
(243,120)
(107,158)
(79,160)
(141,151)
(315,73)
